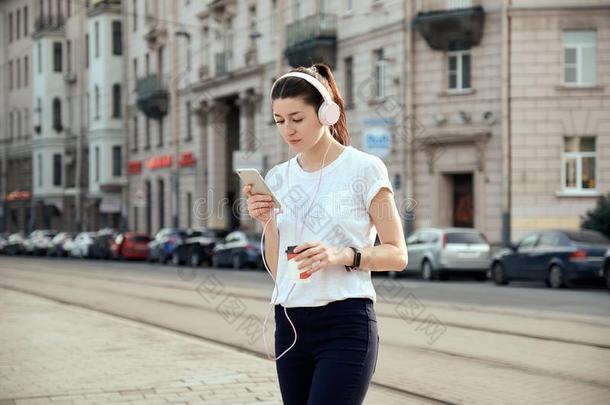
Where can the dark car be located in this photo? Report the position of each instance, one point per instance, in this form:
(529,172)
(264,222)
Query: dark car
(58,244)
(161,248)
(605,270)
(130,246)
(197,247)
(100,249)
(556,257)
(238,250)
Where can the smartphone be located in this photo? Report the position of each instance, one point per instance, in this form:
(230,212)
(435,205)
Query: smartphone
(252,176)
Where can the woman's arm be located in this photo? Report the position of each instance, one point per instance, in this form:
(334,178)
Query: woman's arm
(391,254)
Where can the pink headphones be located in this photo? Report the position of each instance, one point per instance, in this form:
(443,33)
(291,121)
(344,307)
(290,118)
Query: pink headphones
(329,112)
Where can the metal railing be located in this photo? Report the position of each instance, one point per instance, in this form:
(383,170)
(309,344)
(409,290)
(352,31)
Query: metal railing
(312,27)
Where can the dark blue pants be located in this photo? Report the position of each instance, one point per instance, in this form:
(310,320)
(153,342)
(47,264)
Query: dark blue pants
(335,355)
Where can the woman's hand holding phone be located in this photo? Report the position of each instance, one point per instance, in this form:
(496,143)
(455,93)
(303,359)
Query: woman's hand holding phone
(260,206)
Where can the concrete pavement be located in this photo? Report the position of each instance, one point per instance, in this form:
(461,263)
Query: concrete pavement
(52,353)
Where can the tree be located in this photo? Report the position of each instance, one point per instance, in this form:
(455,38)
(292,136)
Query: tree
(598,218)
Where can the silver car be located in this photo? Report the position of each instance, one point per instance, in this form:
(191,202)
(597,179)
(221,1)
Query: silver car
(435,253)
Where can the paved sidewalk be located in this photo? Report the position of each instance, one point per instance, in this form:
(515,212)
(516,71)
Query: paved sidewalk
(51,353)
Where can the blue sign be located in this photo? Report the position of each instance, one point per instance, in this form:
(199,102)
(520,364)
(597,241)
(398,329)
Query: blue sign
(377,141)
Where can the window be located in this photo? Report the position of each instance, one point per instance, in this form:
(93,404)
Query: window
(273,21)
(26,71)
(26,121)
(134,144)
(39,57)
(147,133)
(38,110)
(135,70)
(189,133)
(69,56)
(297,10)
(379,74)
(18,113)
(69,8)
(40,170)
(349,6)
(529,241)
(117,38)
(96,38)
(189,210)
(86,50)
(160,140)
(147,64)
(10,27)
(87,109)
(349,82)
(116,161)
(10,75)
(57,56)
(18,67)
(579,51)
(26,29)
(57,114)
(161,199)
(97,163)
(135,14)
(97,102)
(579,163)
(549,239)
(116,100)
(56,169)
(453,4)
(18,24)
(11,120)
(458,67)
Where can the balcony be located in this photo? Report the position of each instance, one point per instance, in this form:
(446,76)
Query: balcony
(312,40)
(223,62)
(443,29)
(153,97)
(49,23)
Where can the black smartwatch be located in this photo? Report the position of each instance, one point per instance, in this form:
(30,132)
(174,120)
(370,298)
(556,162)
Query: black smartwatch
(357,258)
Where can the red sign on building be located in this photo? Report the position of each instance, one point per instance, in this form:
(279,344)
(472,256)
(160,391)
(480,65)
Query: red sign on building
(187,159)
(159,162)
(134,167)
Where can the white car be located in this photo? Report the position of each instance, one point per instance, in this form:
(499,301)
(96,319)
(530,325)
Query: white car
(80,246)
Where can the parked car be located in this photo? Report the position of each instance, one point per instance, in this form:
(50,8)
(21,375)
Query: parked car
(437,253)
(238,250)
(38,241)
(58,242)
(14,244)
(130,246)
(197,247)
(557,257)
(100,249)
(3,242)
(82,244)
(605,270)
(161,248)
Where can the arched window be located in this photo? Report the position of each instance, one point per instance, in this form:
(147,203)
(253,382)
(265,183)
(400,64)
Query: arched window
(57,114)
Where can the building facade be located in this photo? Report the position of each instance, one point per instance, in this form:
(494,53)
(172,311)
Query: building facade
(488,113)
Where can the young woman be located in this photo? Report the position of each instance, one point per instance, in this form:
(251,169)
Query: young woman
(334,197)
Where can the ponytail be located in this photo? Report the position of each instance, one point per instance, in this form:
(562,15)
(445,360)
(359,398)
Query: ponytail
(340,128)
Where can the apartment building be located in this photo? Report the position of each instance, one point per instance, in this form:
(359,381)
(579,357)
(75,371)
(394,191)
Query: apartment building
(15,113)
(488,113)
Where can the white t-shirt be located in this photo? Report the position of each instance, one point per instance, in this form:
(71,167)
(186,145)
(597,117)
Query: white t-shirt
(338,216)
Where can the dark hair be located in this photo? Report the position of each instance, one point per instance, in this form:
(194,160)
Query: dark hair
(295,87)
